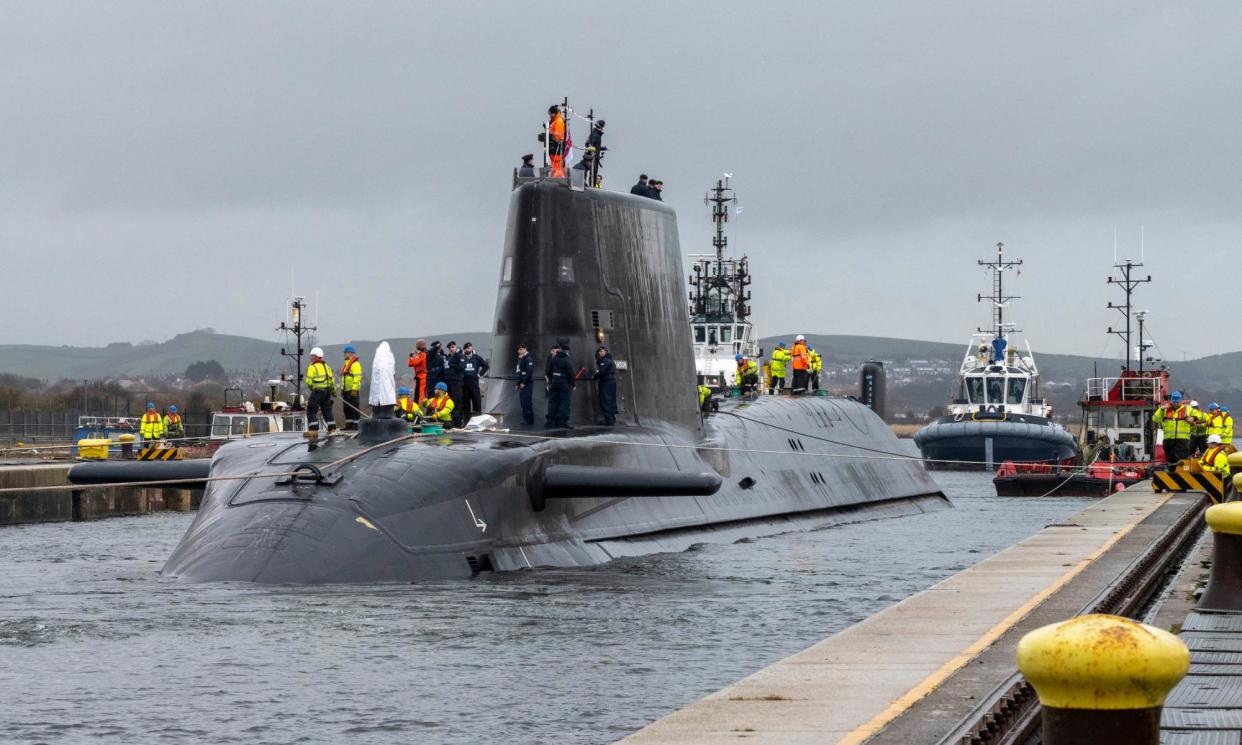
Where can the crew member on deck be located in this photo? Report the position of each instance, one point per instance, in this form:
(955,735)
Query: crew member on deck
(322,387)
(747,374)
(407,407)
(776,368)
(351,384)
(435,368)
(817,366)
(439,407)
(454,376)
(606,385)
(524,374)
(474,367)
(800,361)
(561,383)
(556,141)
(527,169)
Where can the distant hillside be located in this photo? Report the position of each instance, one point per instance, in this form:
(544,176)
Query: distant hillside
(1215,378)
(234,353)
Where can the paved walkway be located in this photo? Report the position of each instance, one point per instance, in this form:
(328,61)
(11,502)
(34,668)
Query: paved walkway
(848,687)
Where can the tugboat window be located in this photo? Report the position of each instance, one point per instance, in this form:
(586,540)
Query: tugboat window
(741,331)
(1130,419)
(726,334)
(996,390)
(239,425)
(699,334)
(565,270)
(1017,387)
(220,426)
(974,390)
(259,424)
(711,335)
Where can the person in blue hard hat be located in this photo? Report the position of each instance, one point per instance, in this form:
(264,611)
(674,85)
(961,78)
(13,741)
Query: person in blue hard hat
(152,425)
(173,426)
(351,387)
(1177,420)
(407,407)
(439,407)
(747,374)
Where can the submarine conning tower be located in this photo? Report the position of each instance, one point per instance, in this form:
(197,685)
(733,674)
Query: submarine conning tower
(598,268)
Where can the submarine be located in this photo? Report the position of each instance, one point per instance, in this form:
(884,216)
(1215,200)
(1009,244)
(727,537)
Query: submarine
(387,505)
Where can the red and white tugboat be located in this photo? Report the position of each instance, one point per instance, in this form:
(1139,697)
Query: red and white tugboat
(1118,444)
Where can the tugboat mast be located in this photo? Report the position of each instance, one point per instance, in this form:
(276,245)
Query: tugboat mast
(720,285)
(1128,283)
(998,297)
(296,308)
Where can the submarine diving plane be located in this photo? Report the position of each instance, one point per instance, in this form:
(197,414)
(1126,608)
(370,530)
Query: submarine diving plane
(595,267)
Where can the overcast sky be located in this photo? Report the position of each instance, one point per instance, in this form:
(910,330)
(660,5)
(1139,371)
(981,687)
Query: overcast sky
(165,166)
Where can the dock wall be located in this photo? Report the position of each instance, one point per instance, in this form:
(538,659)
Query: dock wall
(38,505)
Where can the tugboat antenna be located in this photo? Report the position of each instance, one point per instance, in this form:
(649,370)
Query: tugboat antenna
(296,308)
(998,297)
(1128,282)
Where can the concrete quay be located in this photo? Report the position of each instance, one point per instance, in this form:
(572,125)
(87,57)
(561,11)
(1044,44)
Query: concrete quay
(913,672)
(25,498)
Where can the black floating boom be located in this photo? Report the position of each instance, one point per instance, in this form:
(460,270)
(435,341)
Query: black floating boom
(150,471)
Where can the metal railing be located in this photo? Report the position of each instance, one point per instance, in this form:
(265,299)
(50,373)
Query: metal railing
(1128,389)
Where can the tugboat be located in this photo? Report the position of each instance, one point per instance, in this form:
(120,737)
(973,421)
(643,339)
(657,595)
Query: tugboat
(719,308)
(1119,442)
(997,415)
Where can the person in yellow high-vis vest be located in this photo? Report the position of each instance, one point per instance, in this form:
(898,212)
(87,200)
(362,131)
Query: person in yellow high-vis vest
(173,426)
(776,368)
(407,407)
(152,425)
(1220,423)
(1177,421)
(351,384)
(440,406)
(322,387)
(1216,458)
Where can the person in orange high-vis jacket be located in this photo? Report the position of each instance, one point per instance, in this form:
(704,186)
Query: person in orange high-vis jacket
(556,141)
(800,361)
(418,363)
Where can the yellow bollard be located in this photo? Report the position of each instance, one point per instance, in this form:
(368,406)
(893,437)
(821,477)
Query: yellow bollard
(1102,679)
(1224,587)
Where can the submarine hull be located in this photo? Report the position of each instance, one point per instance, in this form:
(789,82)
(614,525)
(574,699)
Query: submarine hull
(952,444)
(451,506)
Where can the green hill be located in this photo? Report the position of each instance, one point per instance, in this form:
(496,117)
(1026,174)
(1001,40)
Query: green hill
(1214,378)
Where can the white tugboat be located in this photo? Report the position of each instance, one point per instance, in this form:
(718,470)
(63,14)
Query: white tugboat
(997,414)
(719,302)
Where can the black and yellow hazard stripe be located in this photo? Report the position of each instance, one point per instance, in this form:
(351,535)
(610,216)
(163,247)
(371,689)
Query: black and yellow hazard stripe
(158,453)
(1203,481)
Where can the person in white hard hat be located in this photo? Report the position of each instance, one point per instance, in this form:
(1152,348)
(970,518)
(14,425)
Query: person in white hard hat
(800,361)
(322,388)
(1198,429)
(1216,459)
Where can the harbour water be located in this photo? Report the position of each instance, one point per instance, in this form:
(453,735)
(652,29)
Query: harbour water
(96,646)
